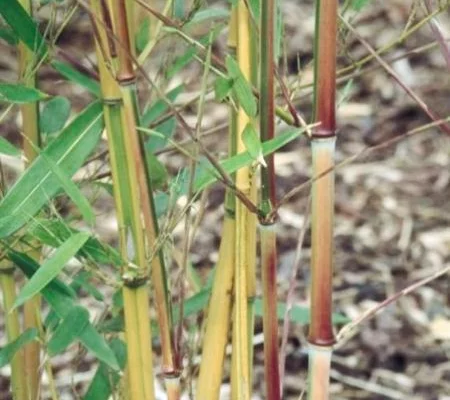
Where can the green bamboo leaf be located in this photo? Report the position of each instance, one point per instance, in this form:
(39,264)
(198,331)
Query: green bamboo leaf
(222,88)
(81,281)
(23,26)
(8,149)
(54,115)
(51,267)
(208,14)
(358,5)
(19,94)
(38,184)
(7,352)
(241,88)
(159,107)
(54,232)
(192,305)
(105,379)
(232,164)
(158,172)
(71,190)
(77,77)
(252,143)
(143,35)
(68,330)
(178,9)
(8,36)
(56,294)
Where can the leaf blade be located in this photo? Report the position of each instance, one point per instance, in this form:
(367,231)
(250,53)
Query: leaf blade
(51,267)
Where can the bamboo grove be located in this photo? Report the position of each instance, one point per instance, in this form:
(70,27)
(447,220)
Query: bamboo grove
(144,335)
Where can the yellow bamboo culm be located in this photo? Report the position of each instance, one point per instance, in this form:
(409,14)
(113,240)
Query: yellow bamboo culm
(19,387)
(218,319)
(31,143)
(245,237)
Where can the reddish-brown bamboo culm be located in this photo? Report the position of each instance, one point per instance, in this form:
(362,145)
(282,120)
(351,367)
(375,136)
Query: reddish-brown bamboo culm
(321,336)
(267,228)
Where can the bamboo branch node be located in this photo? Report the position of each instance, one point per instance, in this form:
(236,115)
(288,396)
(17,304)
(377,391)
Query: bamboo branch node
(133,281)
(7,270)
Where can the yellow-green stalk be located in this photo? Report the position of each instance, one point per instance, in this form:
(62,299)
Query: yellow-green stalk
(19,386)
(321,336)
(127,81)
(31,142)
(245,250)
(122,137)
(220,303)
(268,199)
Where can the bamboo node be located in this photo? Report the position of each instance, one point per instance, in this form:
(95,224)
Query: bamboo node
(323,134)
(7,270)
(134,281)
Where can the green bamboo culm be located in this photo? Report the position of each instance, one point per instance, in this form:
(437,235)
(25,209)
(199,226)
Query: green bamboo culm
(124,164)
(321,336)
(127,82)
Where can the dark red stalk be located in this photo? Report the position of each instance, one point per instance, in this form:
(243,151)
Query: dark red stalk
(321,329)
(268,200)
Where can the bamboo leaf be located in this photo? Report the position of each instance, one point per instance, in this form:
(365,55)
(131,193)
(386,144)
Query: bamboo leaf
(232,164)
(157,170)
(143,35)
(222,88)
(57,295)
(22,25)
(69,329)
(158,108)
(241,88)
(8,352)
(71,190)
(8,149)
(358,5)
(105,379)
(54,232)
(253,144)
(19,94)
(38,184)
(77,77)
(54,115)
(8,36)
(208,14)
(51,267)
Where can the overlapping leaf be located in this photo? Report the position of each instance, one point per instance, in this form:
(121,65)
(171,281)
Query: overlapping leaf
(39,184)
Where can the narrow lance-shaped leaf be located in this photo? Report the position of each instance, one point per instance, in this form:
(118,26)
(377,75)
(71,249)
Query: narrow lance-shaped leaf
(253,144)
(38,184)
(59,297)
(105,379)
(19,94)
(71,190)
(7,148)
(54,115)
(23,26)
(69,329)
(7,353)
(77,77)
(241,160)
(51,267)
